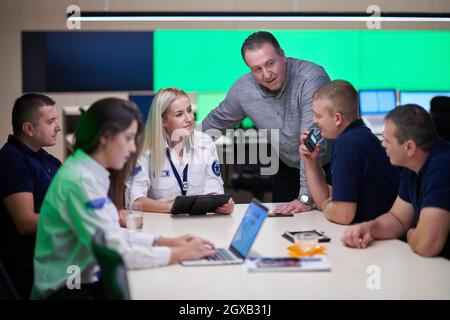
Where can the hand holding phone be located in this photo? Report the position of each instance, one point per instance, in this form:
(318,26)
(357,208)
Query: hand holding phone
(311,141)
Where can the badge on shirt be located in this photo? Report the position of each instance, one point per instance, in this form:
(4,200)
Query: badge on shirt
(97,204)
(136,170)
(165,173)
(216,168)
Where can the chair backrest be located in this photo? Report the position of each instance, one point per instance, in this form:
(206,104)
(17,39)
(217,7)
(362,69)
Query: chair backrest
(113,271)
(440,113)
(7,289)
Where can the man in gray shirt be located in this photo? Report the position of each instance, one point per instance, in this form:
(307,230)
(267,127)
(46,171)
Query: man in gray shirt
(276,94)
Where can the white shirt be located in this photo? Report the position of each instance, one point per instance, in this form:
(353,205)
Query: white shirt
(203,172)
(76,204)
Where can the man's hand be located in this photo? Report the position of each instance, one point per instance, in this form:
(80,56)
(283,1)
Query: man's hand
(295,206)
(305,154)
(357,236)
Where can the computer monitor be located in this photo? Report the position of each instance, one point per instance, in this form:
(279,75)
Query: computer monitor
(376,101)
(143,102)
(422,98)
(374,105)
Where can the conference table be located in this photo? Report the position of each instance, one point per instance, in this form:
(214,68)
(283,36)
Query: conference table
(387,269)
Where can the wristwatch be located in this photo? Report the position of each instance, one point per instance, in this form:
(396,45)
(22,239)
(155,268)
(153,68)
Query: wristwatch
(306,199)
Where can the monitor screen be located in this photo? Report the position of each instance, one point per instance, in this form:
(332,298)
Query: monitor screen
(376,101)
(249,228)
(422,98)
(143,102)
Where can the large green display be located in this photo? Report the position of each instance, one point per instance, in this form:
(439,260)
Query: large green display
(206,61)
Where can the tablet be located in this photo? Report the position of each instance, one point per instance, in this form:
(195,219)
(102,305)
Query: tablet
(198,205)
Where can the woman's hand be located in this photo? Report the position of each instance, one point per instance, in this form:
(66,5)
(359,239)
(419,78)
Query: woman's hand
(227,208)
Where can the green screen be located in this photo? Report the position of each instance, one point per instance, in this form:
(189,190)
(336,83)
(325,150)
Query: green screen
(207,62)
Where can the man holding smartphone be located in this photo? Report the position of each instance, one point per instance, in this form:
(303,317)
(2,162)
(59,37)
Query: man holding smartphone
(361,184)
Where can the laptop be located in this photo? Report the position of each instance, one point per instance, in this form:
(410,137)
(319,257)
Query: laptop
(374,105)
(242,241)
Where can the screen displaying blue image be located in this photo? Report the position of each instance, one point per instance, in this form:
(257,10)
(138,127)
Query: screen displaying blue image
(421,98)
(249,228)
(376,101)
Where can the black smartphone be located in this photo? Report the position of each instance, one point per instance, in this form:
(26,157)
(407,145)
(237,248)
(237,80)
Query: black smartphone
(311,141)
(279,215)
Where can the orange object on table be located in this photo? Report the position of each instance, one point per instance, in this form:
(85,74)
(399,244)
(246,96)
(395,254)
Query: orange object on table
(295,252)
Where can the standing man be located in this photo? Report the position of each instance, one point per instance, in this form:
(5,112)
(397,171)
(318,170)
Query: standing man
(25,174)
(422,208)
(361,183)
(276,94)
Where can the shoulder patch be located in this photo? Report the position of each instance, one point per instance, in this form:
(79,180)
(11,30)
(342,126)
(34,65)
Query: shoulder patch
(216,168)
(96,204)
(136,170)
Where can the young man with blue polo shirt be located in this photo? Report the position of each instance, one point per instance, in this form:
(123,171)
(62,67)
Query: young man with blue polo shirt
(422,208)
(25,174)
(361,184)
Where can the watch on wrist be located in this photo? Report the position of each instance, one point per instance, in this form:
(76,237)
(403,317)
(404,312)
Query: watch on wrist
(306,199)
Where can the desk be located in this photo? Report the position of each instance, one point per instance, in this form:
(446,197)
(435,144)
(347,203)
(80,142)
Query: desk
(404,275)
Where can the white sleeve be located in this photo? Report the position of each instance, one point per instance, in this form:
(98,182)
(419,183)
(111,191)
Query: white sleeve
(89,209)
(213,181)
(139,182)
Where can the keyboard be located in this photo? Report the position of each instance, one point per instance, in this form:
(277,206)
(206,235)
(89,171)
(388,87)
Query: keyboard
(222,254)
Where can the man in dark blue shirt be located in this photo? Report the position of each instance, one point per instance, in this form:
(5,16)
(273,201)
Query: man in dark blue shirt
(422,208)
(361,184)
(26,171)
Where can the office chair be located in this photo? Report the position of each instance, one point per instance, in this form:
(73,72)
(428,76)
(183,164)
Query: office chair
(7,289)
(113,272)
(440,113)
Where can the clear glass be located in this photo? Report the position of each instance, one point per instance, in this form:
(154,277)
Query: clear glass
(134,217)
(306,241)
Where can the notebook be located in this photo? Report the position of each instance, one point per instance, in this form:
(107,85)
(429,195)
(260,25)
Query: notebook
(242,241)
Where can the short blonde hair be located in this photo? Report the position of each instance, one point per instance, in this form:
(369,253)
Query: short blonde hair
(342,96)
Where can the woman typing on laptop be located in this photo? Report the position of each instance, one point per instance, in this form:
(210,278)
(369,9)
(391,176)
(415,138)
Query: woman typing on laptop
(77,204)
(175,159)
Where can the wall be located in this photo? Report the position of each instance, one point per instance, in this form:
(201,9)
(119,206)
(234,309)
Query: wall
(47,15)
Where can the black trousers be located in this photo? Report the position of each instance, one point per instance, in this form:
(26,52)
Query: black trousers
(285,183)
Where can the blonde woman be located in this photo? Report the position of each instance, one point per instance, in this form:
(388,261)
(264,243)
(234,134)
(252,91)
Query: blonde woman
(175,159)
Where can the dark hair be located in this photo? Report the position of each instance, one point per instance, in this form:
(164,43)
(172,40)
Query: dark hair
(343,98)
(412,122)
(257,39)
(109,116)
(26,109)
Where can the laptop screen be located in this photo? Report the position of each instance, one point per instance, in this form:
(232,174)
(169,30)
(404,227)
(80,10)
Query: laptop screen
(376,101)
(248,229)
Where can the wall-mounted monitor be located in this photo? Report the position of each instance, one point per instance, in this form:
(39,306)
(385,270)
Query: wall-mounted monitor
(422,98)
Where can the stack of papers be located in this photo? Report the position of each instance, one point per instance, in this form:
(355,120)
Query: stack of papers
(265,264)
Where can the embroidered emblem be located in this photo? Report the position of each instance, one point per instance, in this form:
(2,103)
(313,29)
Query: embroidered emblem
(216,168)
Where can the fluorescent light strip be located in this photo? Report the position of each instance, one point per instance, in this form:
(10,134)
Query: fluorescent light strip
(256,19)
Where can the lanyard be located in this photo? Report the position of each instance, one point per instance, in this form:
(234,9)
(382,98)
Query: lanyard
(182,184)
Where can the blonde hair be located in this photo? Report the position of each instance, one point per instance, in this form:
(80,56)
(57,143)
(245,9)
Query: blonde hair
(154,134)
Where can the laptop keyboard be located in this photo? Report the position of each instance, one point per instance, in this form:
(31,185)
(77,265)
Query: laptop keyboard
(222,254)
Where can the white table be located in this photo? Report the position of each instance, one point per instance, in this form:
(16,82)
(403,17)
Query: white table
(403,274)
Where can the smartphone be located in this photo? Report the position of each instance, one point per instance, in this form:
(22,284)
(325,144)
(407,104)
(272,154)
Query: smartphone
(279,215)
(278,262)
(311,141)
(290,235)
